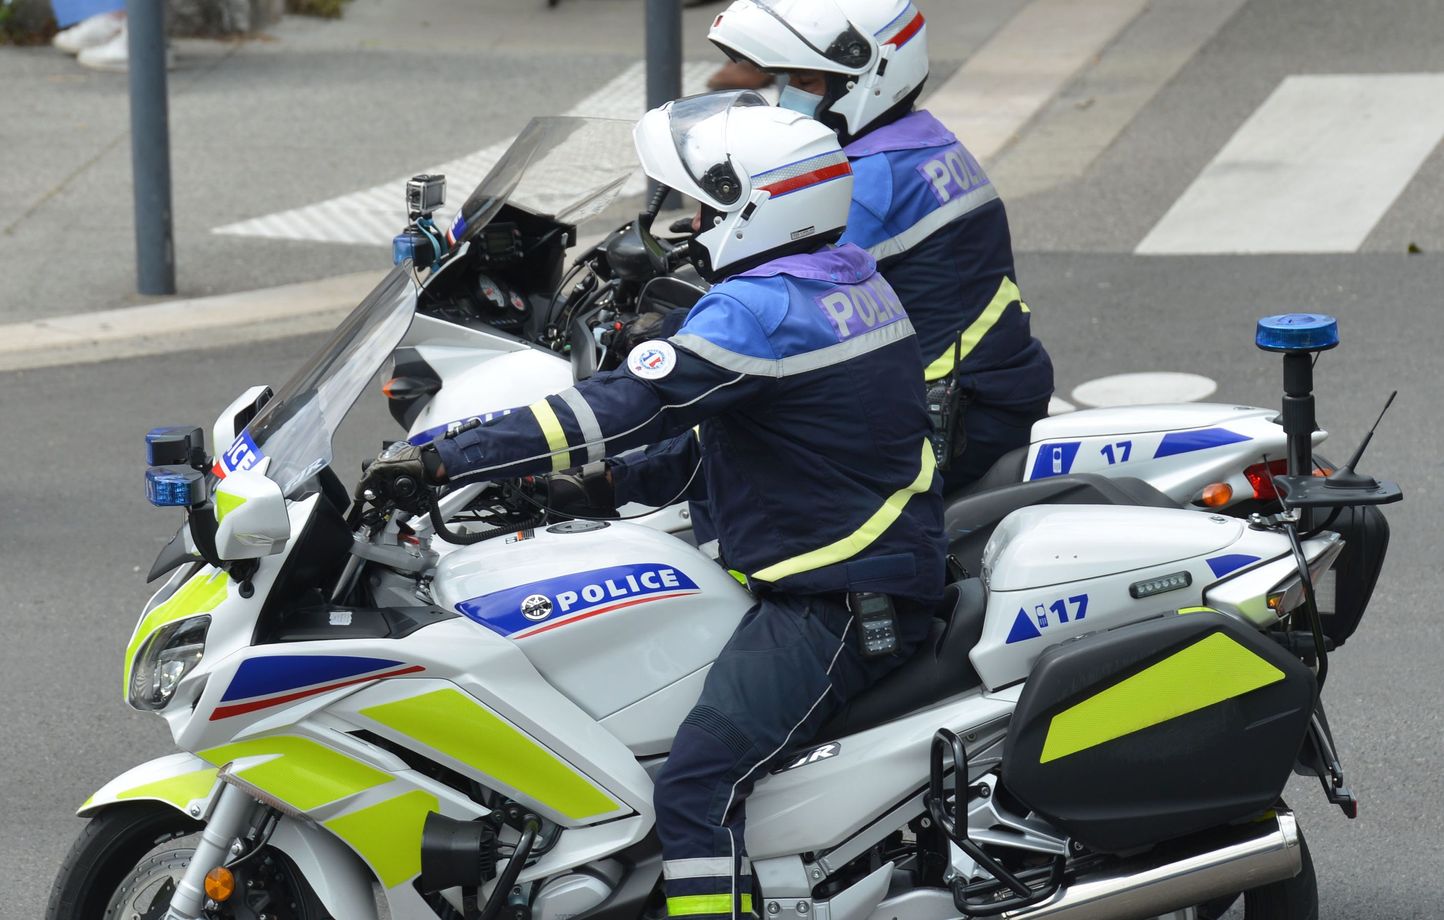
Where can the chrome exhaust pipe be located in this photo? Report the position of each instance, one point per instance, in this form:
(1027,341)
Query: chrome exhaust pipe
(1156,884)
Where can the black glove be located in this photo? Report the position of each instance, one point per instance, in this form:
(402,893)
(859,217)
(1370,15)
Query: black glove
(584,492)
(401,473)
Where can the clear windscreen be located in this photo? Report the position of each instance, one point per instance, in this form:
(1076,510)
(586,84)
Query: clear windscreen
(295,429)
(566,168)
(698,134)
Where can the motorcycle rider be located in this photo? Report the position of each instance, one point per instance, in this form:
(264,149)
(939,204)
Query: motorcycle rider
(801,372)
(922,206)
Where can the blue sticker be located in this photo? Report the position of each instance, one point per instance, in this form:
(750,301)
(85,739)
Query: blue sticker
(1054,459)
(278,673)
(1183,442)
(544,605)
(243,453)
(431,434)
(1023,629)
(1232,562)
(1064,610)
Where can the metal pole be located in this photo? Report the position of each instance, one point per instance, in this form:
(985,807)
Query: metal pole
(150,148)
(664,54)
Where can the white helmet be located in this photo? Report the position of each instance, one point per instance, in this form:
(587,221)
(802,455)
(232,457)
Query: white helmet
(874,52)
(771,182)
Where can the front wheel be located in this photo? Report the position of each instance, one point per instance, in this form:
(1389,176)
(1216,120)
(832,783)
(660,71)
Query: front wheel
(130,858)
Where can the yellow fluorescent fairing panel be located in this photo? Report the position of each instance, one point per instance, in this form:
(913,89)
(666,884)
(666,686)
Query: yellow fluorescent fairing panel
(304,774)
(452,723)
(1208,672)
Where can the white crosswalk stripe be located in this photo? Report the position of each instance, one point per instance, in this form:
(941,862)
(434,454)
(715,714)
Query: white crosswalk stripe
(373,216)
(1313,170)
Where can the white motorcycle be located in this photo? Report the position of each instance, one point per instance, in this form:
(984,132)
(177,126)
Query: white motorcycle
(468,720)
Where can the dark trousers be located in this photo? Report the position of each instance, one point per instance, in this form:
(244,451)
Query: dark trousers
(792,662)
(991,432)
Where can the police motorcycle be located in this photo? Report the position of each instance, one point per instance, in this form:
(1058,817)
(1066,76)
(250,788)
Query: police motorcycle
(515,327)
(465,714)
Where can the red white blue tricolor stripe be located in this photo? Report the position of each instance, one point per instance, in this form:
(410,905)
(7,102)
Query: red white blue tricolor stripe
(795,177)
(274,680)
(902,29)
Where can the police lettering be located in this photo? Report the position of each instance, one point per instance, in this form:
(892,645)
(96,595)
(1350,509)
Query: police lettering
(953,174)
(861,308)
(647,582)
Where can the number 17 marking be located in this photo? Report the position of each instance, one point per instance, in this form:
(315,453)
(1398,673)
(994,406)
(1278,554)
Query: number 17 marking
(1123,450)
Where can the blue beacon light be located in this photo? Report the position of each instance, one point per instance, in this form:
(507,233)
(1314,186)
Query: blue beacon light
(174,488)
(1297,332)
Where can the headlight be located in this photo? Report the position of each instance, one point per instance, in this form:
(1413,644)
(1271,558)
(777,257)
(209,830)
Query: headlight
(165,659)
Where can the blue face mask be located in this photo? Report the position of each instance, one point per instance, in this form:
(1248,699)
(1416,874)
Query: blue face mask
(796,100)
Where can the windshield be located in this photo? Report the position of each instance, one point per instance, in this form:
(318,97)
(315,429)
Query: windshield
(295,428)
(569,169)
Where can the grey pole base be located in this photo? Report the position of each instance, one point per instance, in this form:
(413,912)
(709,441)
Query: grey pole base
(150,148)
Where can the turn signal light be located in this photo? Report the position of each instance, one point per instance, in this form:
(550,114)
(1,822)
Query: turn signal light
(1216,495)
(220,884)
(405,389)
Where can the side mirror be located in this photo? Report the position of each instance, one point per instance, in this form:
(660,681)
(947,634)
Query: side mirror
(634,254)
(235,417)
(251,517)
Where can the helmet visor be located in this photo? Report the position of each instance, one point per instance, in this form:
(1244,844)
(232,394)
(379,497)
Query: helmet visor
(824,28)
(699,132)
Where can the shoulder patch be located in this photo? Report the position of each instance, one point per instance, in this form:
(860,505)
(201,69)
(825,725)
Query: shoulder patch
(652,360)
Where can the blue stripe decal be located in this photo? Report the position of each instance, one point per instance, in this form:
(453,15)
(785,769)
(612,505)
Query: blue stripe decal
(1054,460)
(514,611)
(1222,565)
(431,434)
(278,673)
(1183,442)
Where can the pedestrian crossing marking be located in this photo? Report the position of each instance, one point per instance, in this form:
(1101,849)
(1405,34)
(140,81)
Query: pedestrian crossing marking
(1313,170)
(374,215)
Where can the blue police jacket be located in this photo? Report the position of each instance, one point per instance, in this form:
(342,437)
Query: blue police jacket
(805,383)
(929,214)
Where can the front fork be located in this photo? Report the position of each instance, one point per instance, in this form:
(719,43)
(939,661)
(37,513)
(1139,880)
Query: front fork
(229,820)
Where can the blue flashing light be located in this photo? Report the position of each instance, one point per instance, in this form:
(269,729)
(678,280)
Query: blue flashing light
(1297,332)
(174,488)
(172,444)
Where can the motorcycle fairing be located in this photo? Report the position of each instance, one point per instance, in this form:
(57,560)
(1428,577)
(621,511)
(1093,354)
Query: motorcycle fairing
(182,781)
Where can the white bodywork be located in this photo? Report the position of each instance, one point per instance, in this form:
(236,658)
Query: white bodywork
(1177,448)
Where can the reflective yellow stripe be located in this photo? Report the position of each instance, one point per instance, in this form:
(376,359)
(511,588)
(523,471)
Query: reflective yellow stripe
(551,428)
(179,791)
(1208,672)
(388,835)
(695,905)
(451,722)
(303,773)
(1008,294)
(864,536)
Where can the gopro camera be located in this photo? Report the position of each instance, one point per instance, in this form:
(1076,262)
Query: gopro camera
(424,194)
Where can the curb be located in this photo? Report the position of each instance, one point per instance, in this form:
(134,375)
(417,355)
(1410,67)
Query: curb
(179,325)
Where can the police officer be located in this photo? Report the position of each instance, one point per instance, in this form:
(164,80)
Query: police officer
(801,372)
(922,206)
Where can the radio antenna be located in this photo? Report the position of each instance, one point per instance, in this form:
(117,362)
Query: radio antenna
(1344,476)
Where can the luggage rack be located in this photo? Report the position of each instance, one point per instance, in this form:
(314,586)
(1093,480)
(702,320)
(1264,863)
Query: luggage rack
(1009,891)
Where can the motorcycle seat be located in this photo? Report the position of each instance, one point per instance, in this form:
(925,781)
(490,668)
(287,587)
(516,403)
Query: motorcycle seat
(937,670)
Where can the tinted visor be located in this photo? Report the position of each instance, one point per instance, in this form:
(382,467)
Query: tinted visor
(699,132)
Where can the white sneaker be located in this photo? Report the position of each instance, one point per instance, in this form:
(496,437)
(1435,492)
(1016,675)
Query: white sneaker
(114,55)
(89,33)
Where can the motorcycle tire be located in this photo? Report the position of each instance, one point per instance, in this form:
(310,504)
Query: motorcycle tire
(1292,899)
(121,839)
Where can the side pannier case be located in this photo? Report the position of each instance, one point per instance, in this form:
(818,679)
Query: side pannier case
(1131,736)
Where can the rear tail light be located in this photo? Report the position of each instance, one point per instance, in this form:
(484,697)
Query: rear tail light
(1261,477)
